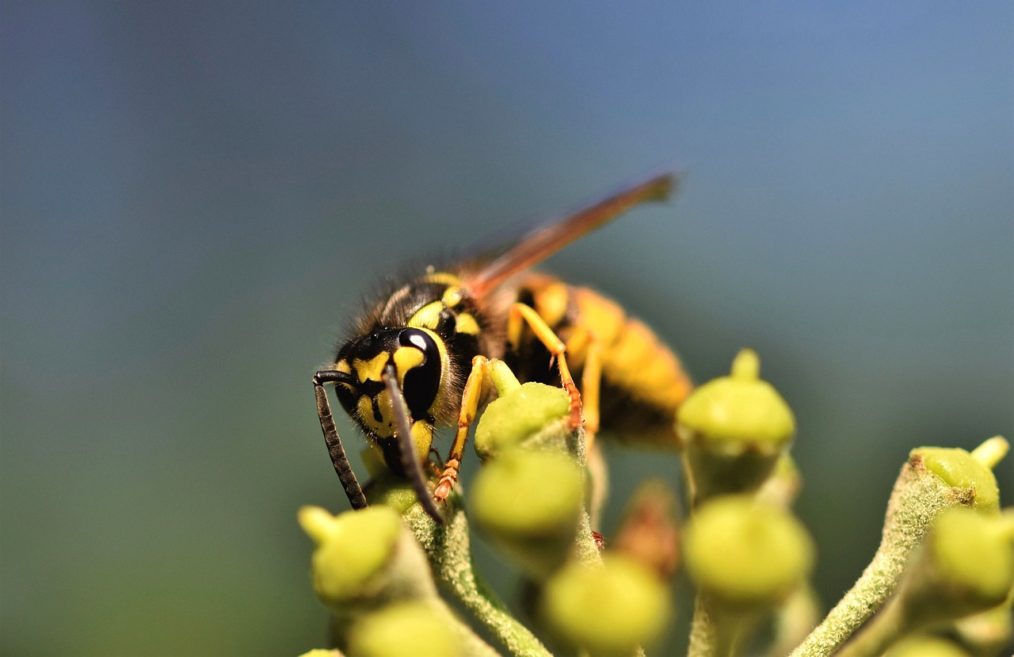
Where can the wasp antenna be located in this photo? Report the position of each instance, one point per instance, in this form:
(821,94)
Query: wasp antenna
(333,442)
(409,460)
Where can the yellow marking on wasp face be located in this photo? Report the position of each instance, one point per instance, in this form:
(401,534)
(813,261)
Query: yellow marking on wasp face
(551,302)
(422,438)
(443,277)
(428,316)
(370,369)
(452,296)
(385,427)
(467,324)
(405,358)
(343,366)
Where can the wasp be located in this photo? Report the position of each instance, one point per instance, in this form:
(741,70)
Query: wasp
(422,354)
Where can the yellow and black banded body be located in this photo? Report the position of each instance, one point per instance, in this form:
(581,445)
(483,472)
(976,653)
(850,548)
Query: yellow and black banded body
(420,357)
(642,379)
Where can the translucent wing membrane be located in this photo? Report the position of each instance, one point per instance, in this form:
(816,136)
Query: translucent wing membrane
(538,244)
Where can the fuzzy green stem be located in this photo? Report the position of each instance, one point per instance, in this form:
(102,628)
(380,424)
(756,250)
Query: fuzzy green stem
(449,551)
(714,632)
(469,643)
(917,499)
(585,549)
(878,635)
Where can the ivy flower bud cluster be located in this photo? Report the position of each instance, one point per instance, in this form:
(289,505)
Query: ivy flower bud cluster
(396,583)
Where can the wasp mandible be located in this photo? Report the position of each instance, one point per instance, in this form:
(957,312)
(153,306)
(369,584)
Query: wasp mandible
(421,354)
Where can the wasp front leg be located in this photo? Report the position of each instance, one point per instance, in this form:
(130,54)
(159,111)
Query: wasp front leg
(520,312)
(470,399)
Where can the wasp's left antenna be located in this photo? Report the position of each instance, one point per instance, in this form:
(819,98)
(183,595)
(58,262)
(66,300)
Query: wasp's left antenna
(334,444)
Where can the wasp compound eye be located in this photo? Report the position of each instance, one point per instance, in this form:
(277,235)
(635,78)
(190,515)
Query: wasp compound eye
(413,337)
(421,371)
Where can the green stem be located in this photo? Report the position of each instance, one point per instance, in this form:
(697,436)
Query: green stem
(585,549)
(878,635)
(714,633)
(449,552)
(917,499)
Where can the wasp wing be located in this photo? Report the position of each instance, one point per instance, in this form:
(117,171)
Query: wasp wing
(538,244)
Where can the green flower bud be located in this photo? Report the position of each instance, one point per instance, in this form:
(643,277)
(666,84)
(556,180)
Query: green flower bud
(926,646)
(530,503)
(363,558)
(607,610)
(933,479)
(734,428)
(389,489)
(746,555)
(738,412)
(967,566)
(410,628)
(960,469)
(518,415)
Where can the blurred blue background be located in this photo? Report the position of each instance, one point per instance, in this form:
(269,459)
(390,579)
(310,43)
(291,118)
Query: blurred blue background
(194,195)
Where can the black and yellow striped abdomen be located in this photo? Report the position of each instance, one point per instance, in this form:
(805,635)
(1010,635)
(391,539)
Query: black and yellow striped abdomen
(643,381)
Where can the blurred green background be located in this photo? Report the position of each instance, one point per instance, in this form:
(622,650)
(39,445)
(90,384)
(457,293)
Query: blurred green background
(194,196)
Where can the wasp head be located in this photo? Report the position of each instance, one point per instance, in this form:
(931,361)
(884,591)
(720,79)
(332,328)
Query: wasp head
(419,362)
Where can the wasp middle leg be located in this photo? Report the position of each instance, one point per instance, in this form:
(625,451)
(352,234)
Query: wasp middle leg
(520,312)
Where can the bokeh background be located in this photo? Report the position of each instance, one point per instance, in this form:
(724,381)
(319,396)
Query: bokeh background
(194,196)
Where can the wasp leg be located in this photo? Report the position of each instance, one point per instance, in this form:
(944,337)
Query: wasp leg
(470,399)
(406,447)
(553,344)
(335,449)
(591,385)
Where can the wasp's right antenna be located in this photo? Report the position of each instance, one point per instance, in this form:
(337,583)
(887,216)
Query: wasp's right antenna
(409,460)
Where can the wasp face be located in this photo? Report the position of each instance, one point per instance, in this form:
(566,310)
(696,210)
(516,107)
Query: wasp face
(419,362)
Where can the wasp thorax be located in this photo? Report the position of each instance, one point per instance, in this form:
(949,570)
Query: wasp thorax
(416,358)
